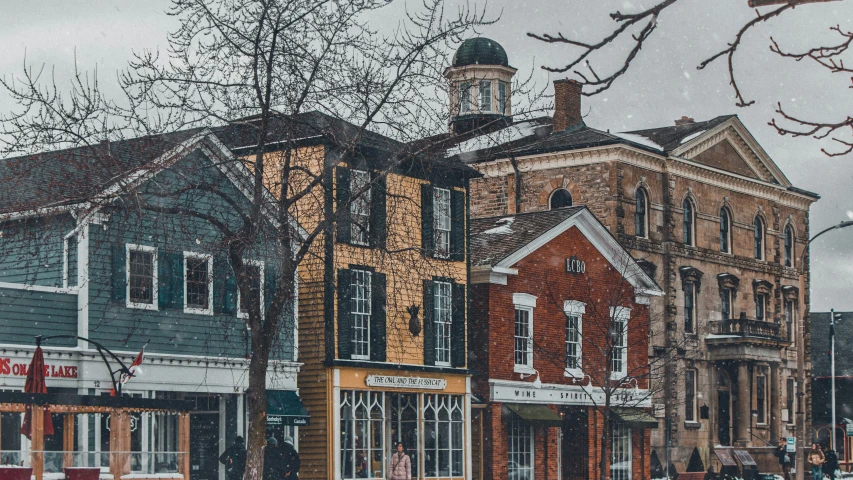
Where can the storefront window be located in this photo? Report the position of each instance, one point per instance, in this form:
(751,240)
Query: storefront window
(443,435)
(620,451)
(404,424)
(520,449)
(362,435)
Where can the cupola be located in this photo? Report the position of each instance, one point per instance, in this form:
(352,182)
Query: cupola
(480,81)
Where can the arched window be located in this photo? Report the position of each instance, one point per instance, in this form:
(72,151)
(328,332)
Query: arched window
(758,238)
(725,230)
(789,246)
(641,215)
(689,221)
(561,198)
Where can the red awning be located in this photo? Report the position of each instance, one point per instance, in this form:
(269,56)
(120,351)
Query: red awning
(35,384)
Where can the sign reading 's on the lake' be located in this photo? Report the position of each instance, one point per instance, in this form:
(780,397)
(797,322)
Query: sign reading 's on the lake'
(405,382)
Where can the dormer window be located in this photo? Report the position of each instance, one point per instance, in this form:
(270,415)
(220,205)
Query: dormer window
(485,96)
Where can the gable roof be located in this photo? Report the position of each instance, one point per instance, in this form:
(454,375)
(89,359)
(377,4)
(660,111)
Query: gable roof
(498,243)
(670,138)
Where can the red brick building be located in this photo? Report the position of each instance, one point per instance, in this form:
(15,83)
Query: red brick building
(560,336)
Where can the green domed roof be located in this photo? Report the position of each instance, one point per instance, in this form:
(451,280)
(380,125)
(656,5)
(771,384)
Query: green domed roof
(480,51)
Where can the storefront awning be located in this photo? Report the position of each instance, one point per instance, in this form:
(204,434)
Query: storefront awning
(635,417)
(285,408)
(536,414)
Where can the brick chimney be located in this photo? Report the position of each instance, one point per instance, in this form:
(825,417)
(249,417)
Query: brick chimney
(684,120)
(567,104)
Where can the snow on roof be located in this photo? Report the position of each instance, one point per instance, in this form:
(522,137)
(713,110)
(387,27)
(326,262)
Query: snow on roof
(692,136)
(504,135)
(639,140)
(503,229)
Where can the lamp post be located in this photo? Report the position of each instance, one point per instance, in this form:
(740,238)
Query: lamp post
(801,380)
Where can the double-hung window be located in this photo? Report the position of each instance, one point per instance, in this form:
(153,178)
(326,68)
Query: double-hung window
(523,351)
(619,342)
(760,306)
(789,246)
(443,317)
(790,309)
(641,218)
(725,230)
(503,97)
(443,225)
(361,311)
(689,222)
(360,207)
(726,303)
(690,395)
(574,311)
(254,272)
(141,277)
(761,398)
(485,96)
(690,307)
(198,283)
(758,238)
(520,449)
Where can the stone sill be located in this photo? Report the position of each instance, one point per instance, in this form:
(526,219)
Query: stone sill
(692,425)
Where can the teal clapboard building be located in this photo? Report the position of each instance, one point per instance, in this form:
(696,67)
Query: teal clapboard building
(100,243)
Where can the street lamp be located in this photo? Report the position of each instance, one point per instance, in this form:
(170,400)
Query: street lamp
(801,380)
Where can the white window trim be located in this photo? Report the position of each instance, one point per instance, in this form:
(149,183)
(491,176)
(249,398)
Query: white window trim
(624,314)
(435,192)
(260,265)
(366,195)
(65,251)
(449,325)
(532,445)
(355,356)
(209,258)
(132,247)
(577,309)
(524,304)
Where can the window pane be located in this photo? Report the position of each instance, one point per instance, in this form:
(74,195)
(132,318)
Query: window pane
(442,318)
(759,306)
(758,238)
(726,303)
(640,214)
(141,276)
(198,283)
(789,246)
(520,450)
(486,96)
(360,206)
(688,222)
(689,307)
(620,451)
(360,298)
(573,341)
(254,273)
(503,89)
(522,337)
(441,210)
(690,395)
(760,397)
(724,230)
(464,97)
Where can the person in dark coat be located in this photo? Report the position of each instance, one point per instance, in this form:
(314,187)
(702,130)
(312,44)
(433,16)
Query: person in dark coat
(291,459)
(784,458)
(831,463)
(273,460)
(234,459)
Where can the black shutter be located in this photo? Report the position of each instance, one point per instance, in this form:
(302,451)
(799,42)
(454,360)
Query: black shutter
(427,221)
(119,273)
(457,328)
(429,325)
(457,225)
(270,285)
(344,316)
(164,280)
(378,318)
(378,222)
(343,205)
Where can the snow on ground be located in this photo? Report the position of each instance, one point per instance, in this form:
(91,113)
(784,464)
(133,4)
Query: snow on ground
(691,137)
(505,135)
(503,229)
(639,140)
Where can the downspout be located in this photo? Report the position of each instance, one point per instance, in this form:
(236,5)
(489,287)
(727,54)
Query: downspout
(514,163)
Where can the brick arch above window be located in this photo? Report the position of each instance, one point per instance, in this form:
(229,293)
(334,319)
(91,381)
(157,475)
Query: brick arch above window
(560,182)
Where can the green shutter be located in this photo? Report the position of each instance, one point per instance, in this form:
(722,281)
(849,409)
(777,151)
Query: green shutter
(176,261)
(427,221)
(457,328)
(224,287)
(344,318)
(164,280)
(342,182)
(457,225)
(378,213)
(378,318)
(429,325)
(119,273)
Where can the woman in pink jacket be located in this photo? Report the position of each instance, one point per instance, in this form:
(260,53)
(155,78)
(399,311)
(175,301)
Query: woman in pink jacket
(401,465)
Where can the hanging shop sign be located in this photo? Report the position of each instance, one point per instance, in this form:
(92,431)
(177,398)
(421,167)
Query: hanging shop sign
(523,392)
(575,266)
(7,367)
(389,381)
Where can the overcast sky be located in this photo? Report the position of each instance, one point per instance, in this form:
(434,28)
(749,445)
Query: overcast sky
(663,84)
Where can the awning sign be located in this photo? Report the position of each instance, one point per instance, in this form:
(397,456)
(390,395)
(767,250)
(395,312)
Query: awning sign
(284,407)
(390,381)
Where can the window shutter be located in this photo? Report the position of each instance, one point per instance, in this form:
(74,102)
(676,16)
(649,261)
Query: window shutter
(176,267)
(270,285)
(119,273)
(164,280)
(457,225)
(378,319)
(344,316)
(427,222)
(457,328)
(343,205)
(378,213)
(429,325)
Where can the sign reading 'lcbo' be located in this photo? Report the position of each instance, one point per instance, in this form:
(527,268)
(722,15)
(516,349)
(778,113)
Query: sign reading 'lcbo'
(575,266)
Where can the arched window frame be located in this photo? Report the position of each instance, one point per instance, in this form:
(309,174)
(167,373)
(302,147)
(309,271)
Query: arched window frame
(641,213)
(689,222)
(559,191)
(758,233)
(789,243)
(725,230)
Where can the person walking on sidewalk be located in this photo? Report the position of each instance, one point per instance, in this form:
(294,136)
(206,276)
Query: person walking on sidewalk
(816,459)
(291,460)
(401,465)
(234,459)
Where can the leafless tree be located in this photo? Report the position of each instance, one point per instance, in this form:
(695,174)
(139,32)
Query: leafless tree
(636,27)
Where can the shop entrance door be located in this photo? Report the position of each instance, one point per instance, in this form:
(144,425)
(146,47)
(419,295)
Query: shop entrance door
(724,418)
(204,446)
(575,444)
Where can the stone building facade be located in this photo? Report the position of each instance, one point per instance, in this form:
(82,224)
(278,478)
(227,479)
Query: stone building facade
(722,231)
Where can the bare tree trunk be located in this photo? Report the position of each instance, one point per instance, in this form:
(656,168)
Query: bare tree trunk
(257,411)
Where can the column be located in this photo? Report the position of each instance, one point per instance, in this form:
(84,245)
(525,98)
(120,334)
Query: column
(184,444)
(68,440)
(744,405)
(37,437)
(775,405)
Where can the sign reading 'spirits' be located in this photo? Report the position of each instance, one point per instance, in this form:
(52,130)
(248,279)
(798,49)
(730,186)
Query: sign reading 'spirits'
(20,369)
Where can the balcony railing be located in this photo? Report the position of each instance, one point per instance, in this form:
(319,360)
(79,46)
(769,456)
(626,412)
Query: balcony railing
(745,327)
